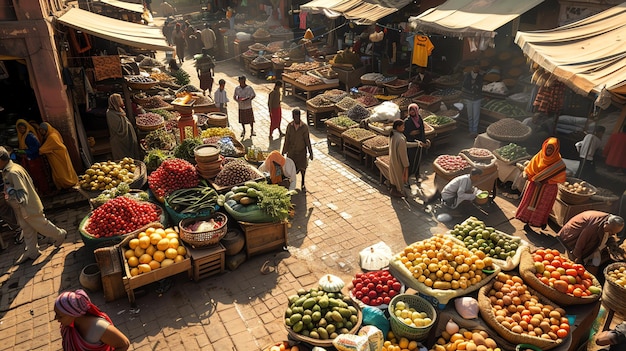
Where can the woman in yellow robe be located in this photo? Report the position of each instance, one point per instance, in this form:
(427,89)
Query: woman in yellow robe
(63,173)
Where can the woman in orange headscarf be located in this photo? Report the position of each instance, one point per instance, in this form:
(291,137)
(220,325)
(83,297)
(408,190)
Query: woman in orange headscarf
(29,157)
(63,173)
(543,174)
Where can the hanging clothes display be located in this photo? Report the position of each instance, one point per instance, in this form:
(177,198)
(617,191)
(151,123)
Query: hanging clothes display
(422,48)
(550,99)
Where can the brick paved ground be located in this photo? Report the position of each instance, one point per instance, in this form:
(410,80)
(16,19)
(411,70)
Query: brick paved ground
(343,211)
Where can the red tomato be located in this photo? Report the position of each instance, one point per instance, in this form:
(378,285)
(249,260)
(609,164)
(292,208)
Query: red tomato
(556,263)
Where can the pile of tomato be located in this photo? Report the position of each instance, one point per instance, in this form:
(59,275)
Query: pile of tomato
(375,288)
(562,274)
(172,174)
(121,215)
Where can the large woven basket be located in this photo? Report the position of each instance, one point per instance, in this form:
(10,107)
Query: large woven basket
(141,86)
(574,198)
(150,128)
(486,312)
(523,131)
(613,293)
(329,342)
(400,329)
(202,239)
(527,272)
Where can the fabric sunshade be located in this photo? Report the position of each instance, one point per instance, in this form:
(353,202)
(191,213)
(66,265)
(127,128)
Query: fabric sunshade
(129,6)
(586,55)
(470,18)
(359,11)
(132,34)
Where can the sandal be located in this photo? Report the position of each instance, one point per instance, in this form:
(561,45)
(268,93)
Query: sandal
(266,268)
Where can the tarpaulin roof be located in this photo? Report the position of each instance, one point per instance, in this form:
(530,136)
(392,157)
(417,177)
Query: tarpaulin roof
(129,6)
(132,34)
(471,18)
(360,11)
(586,55)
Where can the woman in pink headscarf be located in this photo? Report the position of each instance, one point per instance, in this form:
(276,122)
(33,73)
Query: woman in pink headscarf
(415,134)
(84,326)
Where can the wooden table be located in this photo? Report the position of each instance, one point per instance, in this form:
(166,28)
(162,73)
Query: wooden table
(316,115)
(304,92)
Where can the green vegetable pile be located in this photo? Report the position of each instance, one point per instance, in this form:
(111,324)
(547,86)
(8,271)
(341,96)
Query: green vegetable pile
(154,158)
(185,149)
(201,199)
(257,202)
(122,189)
(160,139)
(342,121)
(505,108)
(512,152)
(435,120)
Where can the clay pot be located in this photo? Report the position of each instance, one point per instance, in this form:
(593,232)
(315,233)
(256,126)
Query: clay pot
(90,278)
(233,242)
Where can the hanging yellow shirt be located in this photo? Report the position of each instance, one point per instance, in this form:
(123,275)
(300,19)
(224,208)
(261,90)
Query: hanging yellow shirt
(422,48)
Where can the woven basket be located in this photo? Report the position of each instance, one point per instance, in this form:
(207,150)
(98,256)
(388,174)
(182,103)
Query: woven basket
(486,312)
(202,239)
(509,162)
(573,198)
(329,342)
(491,131)
(471,157)
(527,272)
(177,217)
(140,100)
(613,293)
(141,86)
(401,330)
(450,97)
(150,128)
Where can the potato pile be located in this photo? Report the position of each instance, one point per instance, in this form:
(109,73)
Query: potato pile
(581,188)
(440,263)
(521,312)
(618,276)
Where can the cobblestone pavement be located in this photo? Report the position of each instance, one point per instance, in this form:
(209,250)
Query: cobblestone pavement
(343,210)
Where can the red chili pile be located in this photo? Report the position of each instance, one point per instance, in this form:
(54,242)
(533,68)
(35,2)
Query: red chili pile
(119,216)
(172,174)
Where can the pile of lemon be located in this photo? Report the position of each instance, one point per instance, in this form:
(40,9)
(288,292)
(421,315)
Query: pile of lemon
(153,249)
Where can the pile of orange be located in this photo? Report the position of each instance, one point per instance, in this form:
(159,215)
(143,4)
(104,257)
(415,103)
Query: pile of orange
(559,272)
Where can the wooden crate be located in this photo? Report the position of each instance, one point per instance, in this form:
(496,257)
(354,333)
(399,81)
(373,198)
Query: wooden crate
(111,272)
(207,261)
(132,283)
(264,237)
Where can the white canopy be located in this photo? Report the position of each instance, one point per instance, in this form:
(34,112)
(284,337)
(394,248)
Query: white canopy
(132,34)
(471,18)
(360,11)
(586,55)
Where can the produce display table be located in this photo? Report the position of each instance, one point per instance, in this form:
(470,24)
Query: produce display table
(371,154)
(315,116)
(304,92)
(333,135)
(563,212)
(484,141)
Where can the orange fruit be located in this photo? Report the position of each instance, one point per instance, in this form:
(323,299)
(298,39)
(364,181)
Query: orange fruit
(144,242)
(133,261)
(178,258)
(163,244)
(171,253)
(159,256)
(174,243)
(139,251)
(133,243)
(155,238)
(154,265)
(144,268)
(151,250)
(145,258)
(167,262)
(129,253)
(134,272)
(181,251)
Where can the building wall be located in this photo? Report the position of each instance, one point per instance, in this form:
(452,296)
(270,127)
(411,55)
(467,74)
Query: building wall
(30,36)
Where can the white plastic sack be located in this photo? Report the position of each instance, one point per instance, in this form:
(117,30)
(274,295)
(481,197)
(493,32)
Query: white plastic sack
(496,88)
(243,36)
(467,307)
(375,257)
(385,112)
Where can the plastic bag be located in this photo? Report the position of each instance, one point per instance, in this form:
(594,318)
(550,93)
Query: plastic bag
(467,307)
(374,336)
(351,342)
(376,317)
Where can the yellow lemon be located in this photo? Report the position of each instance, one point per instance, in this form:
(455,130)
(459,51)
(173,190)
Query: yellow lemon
(154,265)
(163,244)
(171,253)
(129,253)
(142,234)
(144,242)
(150,230)
(133,261)
(133,243)
(139,251)
(161,232)
(181,251)
(144,268)
(159,256)
(171,235)
(174,243)
(155,238)
(134,272)
(170,230)
(167,262)
(151,250)
(179,258)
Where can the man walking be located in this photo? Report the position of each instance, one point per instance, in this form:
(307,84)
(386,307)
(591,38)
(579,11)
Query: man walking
(297,142)
(244,95)
(21,195)
(208,39)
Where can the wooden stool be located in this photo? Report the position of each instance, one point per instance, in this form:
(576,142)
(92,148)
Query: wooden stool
(207,261)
